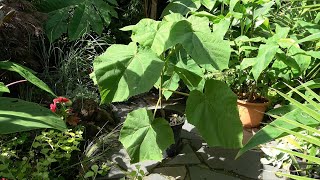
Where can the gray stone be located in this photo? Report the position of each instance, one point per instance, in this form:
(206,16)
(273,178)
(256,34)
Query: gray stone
(189,127)
(122,160)
(187,156)
(197,143)
(157,177)
(115,173)
(248,133)
(268,173)
(179,172)
(199,173)
(247,165)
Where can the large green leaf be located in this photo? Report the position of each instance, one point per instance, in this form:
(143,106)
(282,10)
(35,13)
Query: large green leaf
(145,137)
(207,111)
(26,73)
(17,115)
(202,45)
(124,71)
(182,6)
(76,16)
(269,132)
(300,57)
(209,4)
(171,84)
(3,88)
(265,55)
(143,32)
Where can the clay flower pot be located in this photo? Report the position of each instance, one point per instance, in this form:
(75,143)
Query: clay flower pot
(251,114)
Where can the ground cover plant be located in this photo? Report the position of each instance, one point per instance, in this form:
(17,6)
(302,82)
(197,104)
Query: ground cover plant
(92,55)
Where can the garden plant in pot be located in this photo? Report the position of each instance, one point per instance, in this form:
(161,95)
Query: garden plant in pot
(267,52)
(160,55)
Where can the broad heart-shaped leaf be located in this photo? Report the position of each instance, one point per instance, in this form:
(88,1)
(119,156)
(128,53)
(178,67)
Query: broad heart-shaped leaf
(17,115)
(3,88)
(265,55)
(144,31)
(145,137)
(269,132)
(124,71)
(186,68)
(182,7)
(209,4)
(203,46)
(215,115)
(76,16)
(26,73)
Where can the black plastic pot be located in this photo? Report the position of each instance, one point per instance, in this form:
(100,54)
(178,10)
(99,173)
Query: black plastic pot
(175,148)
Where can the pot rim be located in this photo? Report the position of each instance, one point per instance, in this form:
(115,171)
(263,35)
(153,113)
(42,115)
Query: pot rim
(252,104)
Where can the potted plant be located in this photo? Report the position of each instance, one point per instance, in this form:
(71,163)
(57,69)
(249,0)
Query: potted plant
(161,54)
(300,123)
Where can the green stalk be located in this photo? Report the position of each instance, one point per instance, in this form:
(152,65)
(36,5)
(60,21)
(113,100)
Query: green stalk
(176,92)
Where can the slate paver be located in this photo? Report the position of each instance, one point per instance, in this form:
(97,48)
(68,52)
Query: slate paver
(158,177)
(199,173)
(247,165)
(178,172)
(187,156)
(268,173)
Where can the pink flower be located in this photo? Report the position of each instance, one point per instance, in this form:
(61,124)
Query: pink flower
(53,107)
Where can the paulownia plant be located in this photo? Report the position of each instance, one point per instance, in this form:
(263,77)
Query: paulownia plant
(17,115)
(160,55)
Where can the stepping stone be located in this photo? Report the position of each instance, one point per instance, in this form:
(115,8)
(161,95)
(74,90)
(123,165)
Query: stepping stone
(179,172)
(247,165)
(199,173)
(158,177)
(187,156)
(268,173)
(122,159)
(248,133)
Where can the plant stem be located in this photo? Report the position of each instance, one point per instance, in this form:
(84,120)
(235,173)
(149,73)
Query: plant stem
(176,92)
(16,82)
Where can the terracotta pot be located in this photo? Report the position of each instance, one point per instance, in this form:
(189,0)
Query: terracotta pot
(251,114)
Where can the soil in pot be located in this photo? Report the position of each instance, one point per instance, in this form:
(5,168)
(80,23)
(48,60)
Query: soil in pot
(251,114)
(176,120)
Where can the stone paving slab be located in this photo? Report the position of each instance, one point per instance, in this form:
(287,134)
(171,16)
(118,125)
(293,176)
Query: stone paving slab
(179,172)
(158,177)
(247,165)
(122,159)
(199,173)
(187,156)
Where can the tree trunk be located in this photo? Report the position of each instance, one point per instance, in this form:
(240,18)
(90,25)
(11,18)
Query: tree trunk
(150,8)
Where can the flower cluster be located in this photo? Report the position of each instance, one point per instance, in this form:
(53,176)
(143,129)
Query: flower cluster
(61,100)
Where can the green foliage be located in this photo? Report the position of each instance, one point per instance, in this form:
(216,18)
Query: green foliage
(130,70)
(304,128)
(76,16)
(26,73)
(144,137)
(17,115)
(161,55)
(207,112)
(25,158)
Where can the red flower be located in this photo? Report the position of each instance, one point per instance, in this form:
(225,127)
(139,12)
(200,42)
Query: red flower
(53,107)
(61,100)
